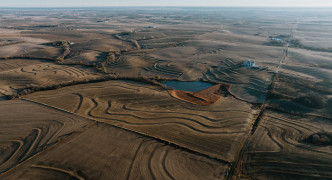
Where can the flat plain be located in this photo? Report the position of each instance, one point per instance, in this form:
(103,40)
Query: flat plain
(83,95)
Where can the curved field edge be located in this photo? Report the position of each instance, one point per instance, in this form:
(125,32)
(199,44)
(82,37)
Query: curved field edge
(29,128)
(152,111)
(105,147)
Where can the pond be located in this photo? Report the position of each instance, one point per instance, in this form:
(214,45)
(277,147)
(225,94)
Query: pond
(191,86)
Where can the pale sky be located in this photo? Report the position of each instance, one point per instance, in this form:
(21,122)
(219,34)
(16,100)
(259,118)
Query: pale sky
(97,3)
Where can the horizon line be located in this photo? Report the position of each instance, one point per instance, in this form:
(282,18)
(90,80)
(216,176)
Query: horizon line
(167,6)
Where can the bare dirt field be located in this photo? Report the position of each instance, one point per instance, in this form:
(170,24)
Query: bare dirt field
(289,147)
(152,111)
(27,128)
(83,94)
(105,152)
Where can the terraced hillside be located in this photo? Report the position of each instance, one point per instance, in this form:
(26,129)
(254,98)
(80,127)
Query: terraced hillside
(289,147)
(215,130)
(105,152)
(40,73)
(28,128)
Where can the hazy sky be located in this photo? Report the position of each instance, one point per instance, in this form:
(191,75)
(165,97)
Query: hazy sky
(82,3)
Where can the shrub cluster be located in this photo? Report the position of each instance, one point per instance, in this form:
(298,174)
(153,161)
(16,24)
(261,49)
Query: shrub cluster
(65,48)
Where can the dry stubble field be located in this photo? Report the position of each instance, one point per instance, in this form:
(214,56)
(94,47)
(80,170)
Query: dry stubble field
(80,94)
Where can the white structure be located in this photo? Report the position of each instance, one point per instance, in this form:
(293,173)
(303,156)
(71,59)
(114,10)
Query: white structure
(251,64)
(278,40)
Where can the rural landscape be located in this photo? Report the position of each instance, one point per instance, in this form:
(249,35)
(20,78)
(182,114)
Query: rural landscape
(165,93)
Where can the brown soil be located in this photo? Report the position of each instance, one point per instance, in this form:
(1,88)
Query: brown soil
(204,97)
(151,111)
